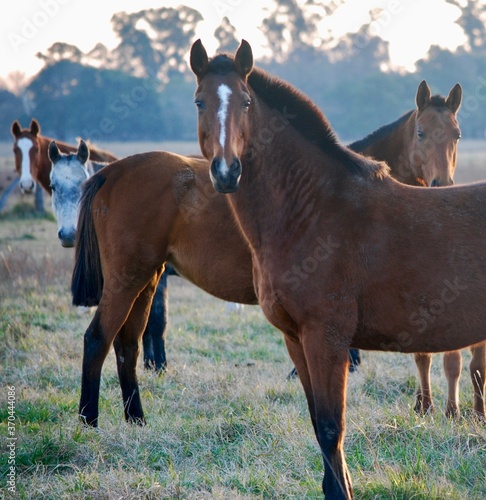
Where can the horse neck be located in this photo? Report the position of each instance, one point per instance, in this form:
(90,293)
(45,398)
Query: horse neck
(44,164)
(282,184)
(393,147)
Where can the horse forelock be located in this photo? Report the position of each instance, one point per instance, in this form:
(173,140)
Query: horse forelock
(221,64)
(437,101)
(71,168)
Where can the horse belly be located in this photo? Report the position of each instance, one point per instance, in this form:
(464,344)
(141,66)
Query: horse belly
(450,318)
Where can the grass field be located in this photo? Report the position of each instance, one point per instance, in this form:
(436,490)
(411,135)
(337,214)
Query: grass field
(223,422)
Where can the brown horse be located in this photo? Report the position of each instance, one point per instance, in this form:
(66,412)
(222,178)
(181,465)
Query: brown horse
(338,245)
(421,149)
(31,158)
(68,173)
(125,236)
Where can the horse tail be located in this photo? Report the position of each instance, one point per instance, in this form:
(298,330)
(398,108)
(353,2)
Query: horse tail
(87,279)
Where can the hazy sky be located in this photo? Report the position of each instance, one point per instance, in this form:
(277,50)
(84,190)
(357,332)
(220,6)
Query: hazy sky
(31,26)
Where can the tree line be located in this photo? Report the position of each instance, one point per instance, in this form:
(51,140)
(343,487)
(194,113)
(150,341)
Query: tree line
(143,89)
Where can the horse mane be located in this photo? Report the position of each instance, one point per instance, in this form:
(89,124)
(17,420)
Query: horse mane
(305,117)
(437,101)
(381,133)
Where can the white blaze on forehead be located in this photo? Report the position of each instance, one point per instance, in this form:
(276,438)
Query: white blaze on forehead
(224,93)
(67,177)
(25,146)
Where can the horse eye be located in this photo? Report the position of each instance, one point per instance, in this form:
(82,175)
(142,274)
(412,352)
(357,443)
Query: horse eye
(459,135)
(246,104)
(199,104)
(53,188)
(420,134)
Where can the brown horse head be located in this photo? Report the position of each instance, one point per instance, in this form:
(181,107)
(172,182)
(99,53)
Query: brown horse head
(26,150)
(223,99)
(433,150)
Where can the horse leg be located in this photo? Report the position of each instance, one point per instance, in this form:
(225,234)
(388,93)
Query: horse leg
(424,402)
(107,321)
(354,359)
(452,368)
(297,356)
(148,347)
(477,369)
(154,334)
(354,362)
(326,368)
(127,349)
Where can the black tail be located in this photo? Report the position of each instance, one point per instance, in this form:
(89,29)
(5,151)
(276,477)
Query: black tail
(87,280)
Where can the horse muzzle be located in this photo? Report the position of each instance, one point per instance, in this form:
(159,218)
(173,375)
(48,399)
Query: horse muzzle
(440,182)
(225,178)
(27,186)
(67,238)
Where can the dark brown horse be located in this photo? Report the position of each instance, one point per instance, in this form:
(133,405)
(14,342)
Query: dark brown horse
(31,156)
(339,247)
(421,149)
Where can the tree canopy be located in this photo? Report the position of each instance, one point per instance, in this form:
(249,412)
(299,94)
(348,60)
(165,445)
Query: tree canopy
(143,89)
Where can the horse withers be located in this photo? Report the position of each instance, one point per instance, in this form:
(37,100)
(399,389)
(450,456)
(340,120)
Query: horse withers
(305,199)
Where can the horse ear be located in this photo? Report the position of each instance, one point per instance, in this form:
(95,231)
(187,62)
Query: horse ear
(83,152)
(423,95)
(199,58)
(244,59)
(53,152)
(453,101)
(34,127)
(16,129)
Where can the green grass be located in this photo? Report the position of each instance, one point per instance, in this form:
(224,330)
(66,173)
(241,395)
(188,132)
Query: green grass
(24,210)
(223,422)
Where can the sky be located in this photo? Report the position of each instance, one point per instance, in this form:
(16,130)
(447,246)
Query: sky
(31,26)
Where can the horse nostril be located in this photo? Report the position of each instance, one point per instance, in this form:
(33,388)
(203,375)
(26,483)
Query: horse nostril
(27,187)
(236,166)
(66,238)
(215,166)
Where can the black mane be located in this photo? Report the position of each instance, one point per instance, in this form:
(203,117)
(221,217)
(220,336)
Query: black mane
(304,115)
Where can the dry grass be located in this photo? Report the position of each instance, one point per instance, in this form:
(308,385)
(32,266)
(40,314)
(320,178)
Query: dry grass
(223,422)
